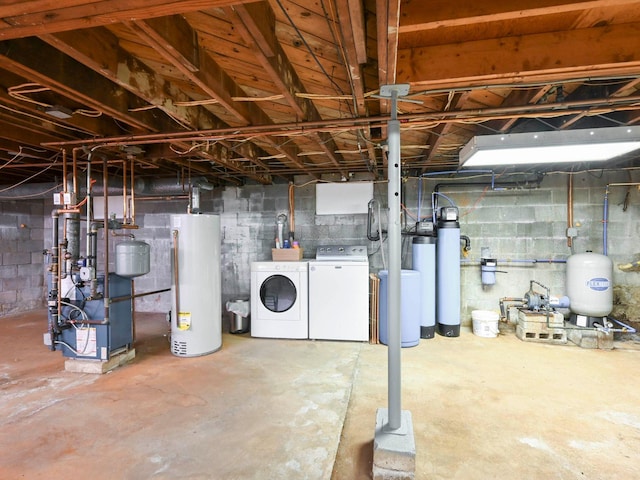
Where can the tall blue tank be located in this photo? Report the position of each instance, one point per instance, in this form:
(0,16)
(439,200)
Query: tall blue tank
(448,273)
(409,307)
(424,261)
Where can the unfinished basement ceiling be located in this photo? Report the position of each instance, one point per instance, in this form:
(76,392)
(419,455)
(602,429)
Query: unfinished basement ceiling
(244,92)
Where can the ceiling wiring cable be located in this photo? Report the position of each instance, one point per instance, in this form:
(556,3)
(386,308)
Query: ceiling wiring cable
(338,40)
(33,195)
(57,124)
(309,49)
(29,178)
(15,157)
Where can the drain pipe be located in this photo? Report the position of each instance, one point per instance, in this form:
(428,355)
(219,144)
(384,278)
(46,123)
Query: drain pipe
(605,213)
(52,301)
(105,288)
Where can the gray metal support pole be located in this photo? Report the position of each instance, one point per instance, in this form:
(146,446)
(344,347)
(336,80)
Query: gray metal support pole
(394,287)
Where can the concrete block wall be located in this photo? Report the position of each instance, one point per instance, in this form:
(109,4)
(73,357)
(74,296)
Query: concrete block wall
(248,230)
(518,224)
(531,224)
(21,267)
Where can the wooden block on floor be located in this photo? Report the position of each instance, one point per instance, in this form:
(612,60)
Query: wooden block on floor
(78,365)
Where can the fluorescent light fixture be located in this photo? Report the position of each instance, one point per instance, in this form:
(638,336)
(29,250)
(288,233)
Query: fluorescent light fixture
(58,112)
(586,145)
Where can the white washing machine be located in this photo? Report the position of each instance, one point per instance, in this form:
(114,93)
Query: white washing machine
(339,294)
(279,300)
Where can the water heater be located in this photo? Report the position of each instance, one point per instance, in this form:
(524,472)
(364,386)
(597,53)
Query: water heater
(196,315)
(589,287)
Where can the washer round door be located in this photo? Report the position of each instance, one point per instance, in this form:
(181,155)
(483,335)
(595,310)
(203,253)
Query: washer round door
(278,293)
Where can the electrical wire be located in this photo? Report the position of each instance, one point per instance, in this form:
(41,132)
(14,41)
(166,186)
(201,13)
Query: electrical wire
(83,351)
(30,178)
(16,156)
(309,49)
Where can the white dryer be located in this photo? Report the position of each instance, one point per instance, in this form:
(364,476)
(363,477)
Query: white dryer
(279,300)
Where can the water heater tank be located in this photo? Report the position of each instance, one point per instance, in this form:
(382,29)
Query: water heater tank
(589,284)
(133,258)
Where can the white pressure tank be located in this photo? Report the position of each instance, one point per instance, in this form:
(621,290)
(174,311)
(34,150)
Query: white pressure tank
(590,284)
(196,312)
(133,258)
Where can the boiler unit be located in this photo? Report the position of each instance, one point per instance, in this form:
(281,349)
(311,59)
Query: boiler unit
(448,273)
(196,311)
(87,333)
(590,288)
(90,312)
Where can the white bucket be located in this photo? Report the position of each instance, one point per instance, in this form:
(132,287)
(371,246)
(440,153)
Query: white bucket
(485,323)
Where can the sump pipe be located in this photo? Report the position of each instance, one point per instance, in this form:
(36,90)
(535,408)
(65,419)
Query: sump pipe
(605,213)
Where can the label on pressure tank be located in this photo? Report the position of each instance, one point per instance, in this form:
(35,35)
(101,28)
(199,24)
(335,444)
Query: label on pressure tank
(599,284)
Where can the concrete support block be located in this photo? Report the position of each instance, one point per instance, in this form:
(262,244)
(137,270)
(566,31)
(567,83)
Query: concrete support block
(394,453)
(533,327)
(591,339)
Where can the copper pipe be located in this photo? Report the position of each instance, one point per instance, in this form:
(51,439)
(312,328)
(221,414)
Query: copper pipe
(68,210)
(572,107)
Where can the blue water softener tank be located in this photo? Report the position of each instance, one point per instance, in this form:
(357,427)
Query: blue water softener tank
(409,307)
(448,273)
(424,261)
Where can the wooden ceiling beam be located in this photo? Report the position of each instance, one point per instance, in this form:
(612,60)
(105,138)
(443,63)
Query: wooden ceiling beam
(39,17)
(208,76)
(445,13)
(201,69)
(388,18)
(43,64)
(543,57)
(351,21)
(251,19)
(25,136)
(21,112)
(515,98)
(98,49)
(439,133)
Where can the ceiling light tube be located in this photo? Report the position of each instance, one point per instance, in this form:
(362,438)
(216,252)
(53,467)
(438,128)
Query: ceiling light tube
(585,145)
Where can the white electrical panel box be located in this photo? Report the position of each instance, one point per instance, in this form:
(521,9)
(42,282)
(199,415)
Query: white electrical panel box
(343,197)
(116,207)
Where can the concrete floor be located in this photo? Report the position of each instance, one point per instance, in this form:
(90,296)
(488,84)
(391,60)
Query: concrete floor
(275,409)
